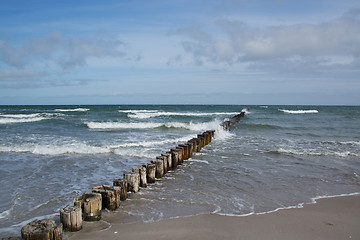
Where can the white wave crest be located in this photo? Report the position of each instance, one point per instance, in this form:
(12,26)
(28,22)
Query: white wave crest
(25,118)
(312,152)
(192,126)
(20,120)
(145,114)
(298,111)
(72,110)
(56,149)
(154,143)
(122,125)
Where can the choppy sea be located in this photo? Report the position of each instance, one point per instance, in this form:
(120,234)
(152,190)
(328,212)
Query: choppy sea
(275,157)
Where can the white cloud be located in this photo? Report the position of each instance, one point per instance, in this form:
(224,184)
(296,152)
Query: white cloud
(64,52)
(310,44)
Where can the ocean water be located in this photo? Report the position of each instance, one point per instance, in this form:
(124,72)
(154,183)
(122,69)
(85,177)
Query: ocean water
(275,157)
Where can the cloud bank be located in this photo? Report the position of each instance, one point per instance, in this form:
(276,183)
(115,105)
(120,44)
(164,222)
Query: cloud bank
(327,45)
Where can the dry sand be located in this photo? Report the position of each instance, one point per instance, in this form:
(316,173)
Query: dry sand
(330,218)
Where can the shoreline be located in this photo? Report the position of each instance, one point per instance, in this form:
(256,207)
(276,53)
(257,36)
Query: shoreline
(328,217)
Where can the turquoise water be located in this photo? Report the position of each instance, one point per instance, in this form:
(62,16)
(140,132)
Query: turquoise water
(275,157)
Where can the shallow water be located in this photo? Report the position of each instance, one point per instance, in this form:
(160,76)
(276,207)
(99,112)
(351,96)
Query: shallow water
(275,157)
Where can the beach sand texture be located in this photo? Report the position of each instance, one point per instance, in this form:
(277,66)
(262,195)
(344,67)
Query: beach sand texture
(330,218)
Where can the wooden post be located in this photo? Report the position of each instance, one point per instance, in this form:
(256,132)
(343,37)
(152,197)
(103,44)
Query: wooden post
(185,151)
(110,196)
(137,171)
(44,229)
(71,218)
(150,173)
(181,155)
(206,138)
(142,174)
(123,185)
(92,205)
(191,149)
(133,181)
(174,158)
(201,140)
(159,171)
(167,155)
(164,159)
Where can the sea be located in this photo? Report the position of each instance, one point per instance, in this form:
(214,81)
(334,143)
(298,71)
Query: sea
(275,157)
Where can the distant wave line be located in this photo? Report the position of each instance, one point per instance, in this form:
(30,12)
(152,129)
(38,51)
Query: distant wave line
(298,111)
(144,114)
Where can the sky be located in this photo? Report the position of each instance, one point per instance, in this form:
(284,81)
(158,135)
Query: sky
(264,52)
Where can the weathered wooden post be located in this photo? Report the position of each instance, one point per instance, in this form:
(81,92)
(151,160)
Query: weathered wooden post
(132,181)
(143,177)
(71,218)
(44,229)
(142,174)
(110,196)
(159,170)
(206,138)
(167,156)
(191,149)
(165,167)
(137,171)
(150,172)
(201,141)
(91,204)
(174,158)
(185,151)
(123,185)
(181,154)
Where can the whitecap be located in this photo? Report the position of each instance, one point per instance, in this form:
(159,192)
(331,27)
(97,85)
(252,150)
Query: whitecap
(72,110)
(298,111)
(145,114)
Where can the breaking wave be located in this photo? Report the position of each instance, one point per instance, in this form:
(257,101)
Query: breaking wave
(135,149)
(298,111)
(145,114)
(151,125)
(25,118)
(72,110)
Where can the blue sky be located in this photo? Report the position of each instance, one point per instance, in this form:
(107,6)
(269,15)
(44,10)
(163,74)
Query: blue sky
(180,52)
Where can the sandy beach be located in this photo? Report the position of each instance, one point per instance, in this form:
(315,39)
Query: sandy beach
(330,218)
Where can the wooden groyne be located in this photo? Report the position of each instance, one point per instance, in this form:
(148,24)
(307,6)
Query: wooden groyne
(88,207)
(231,121)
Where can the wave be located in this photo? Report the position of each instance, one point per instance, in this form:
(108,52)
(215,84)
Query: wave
(154,143)
(126,149)
(25,118)
(145,114)
(350,143)
(298,111)
(151,125)
(72,110)
(314,153)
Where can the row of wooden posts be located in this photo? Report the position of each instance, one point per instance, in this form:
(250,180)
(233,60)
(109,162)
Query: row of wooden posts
(88,206)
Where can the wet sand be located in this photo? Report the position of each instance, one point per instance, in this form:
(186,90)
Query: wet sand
(330,218)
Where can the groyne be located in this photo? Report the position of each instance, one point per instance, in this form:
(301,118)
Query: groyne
(88,206)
